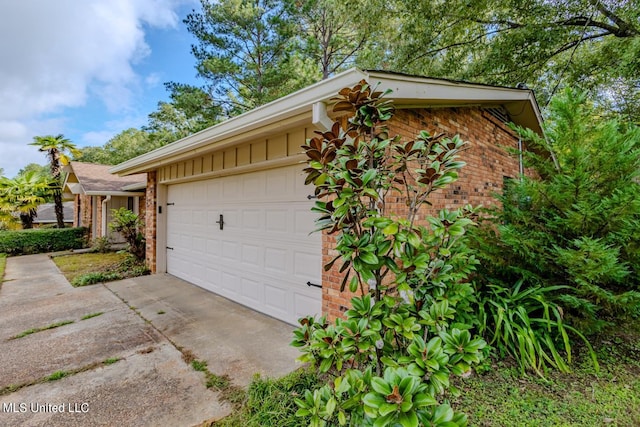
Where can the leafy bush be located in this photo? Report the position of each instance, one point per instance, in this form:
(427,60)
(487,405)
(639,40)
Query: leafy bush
(390,361)
(561,259)
(33,241)
(129,224)
(101,244)
(576,224)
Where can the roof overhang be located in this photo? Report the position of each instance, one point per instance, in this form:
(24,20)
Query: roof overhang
(74,187)
(136,186)
(297,109)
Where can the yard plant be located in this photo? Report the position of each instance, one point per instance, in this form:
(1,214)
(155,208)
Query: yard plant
(33,241)
(408,330)
(560,259)
(129,224)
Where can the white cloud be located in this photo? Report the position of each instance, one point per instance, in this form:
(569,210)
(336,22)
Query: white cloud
(56,54)
(153,80)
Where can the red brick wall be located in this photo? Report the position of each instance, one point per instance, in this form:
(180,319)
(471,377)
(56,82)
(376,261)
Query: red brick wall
(82,211)
(487,164)
(98,217)
(150,218)
(142,208)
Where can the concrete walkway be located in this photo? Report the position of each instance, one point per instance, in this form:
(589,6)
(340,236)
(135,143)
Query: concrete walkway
(147,324)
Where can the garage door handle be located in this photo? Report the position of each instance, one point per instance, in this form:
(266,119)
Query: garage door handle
(221,222)
(170,248)
(314,285)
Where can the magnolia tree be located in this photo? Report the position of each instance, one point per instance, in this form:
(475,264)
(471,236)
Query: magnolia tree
(408,330)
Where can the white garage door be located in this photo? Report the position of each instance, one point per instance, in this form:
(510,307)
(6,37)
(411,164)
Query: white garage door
(264,255)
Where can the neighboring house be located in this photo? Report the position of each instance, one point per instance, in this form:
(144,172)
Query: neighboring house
(95,192)
(227,208)
(46,214)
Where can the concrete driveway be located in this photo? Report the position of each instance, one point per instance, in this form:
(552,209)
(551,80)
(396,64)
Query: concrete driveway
(148,325)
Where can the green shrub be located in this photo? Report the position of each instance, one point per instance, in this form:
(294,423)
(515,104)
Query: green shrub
(576,223)
(34,241)
(101,244)
(130,225)
(560,259)
(408,331)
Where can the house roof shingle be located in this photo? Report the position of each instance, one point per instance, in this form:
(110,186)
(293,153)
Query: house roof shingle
(46,213)
(96,179)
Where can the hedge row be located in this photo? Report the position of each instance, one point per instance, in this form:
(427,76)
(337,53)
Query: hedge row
(35,241)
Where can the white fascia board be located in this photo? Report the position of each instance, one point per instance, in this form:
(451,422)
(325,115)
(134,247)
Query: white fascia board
(407,89)
(136,186)
(74,187)
(289,105)
(415,89)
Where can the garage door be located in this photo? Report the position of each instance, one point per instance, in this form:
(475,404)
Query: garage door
(263,255)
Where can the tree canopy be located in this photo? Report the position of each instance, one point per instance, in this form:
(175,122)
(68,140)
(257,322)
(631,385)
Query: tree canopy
(56,149)
(593,44)
(124,146)
(243,51)
(21,196)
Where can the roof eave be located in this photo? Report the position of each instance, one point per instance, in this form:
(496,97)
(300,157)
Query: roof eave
(408,89)
(294,103)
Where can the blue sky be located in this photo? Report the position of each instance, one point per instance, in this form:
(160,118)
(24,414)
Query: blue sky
(86,69)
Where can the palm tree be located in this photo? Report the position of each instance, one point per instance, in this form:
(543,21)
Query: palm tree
(22,195)
(56,147)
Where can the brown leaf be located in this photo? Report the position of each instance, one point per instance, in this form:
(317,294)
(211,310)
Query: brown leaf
(395,396)
(314,154)
(343,106)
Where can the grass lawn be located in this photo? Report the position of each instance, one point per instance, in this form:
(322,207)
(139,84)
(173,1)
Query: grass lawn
(3,264)
(500,397)
(89,268)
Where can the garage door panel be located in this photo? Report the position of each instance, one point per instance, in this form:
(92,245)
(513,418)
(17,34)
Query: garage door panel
(253,187)
(304,304)
(213,247)
(252,291)
(275,259)
(276,221)
(306,265)
(251,255)
(230,283)
(213,279)
(213,190)
(230,250)
(251,219)
(275,298)
(265,254)
(231,190)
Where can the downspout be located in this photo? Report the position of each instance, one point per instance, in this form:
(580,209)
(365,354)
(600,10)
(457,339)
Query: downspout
(320,118)
(104,215)
(521,165)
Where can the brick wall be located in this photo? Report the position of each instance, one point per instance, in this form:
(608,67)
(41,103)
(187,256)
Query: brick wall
(488,163)
(82,211)
(98,200)
(150,214)
(142,208)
